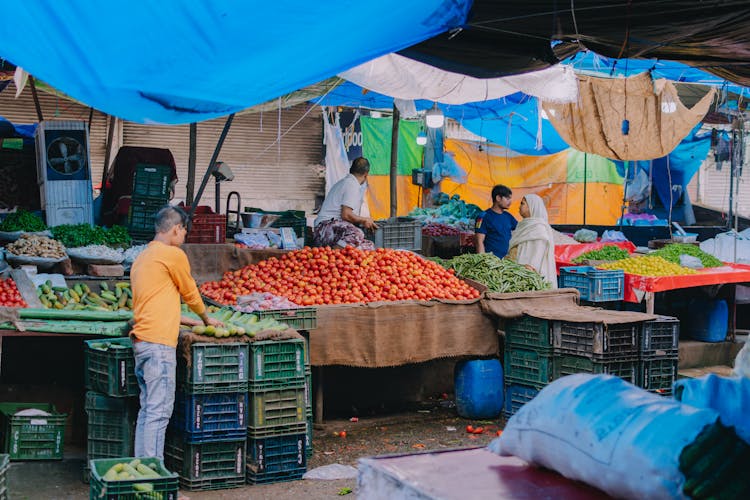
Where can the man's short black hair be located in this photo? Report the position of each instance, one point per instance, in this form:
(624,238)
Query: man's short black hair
(502,191)
(360,166)
(168,217)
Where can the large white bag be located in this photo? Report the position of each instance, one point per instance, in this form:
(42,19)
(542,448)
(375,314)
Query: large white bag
(608,433)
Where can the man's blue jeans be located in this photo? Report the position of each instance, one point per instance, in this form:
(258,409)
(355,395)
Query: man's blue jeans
(155,369)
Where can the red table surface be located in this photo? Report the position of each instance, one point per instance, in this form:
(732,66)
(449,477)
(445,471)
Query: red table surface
(730,273)
(564,254)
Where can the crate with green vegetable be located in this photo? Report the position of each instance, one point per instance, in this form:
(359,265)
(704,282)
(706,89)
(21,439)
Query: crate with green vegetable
(110,367)
(206,466)
(32,431)
(276,459)
(87,296)
(131,478)
(236,323)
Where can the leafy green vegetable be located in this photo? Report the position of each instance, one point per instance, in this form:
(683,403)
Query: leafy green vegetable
(609,252)
(81,235)
(499,275)
(22,221)
(672,254)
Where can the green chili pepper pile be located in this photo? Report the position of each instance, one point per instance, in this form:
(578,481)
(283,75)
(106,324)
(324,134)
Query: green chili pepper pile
(22,221)
(672,254)
(609,252)
(499,275)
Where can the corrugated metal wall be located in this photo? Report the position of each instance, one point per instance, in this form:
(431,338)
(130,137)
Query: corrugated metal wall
(269,175)
(22,111)
(273,176)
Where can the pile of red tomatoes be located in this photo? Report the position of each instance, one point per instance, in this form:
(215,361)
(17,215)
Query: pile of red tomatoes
(9,294)
(316,276)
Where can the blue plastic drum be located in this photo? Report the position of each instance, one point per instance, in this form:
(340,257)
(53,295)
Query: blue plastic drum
(706,320)
(479,388)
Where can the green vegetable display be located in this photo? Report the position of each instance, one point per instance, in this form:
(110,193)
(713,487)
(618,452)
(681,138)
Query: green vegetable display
(499,275)
(22,221)
(81,235)
(672,254)
(609,252)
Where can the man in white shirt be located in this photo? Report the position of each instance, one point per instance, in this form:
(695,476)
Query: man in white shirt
(336,224)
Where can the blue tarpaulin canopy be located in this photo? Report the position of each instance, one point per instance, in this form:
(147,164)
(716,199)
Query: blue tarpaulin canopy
(175,62)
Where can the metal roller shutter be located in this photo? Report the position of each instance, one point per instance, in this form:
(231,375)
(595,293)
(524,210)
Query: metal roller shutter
(266,175)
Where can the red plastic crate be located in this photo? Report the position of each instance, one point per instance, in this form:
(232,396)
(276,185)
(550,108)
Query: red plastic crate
(208,228)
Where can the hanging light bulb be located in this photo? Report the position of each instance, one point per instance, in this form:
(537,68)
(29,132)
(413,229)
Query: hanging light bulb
(434,117)
(421,138)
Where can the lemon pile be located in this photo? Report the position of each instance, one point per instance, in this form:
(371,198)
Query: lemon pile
(648,266)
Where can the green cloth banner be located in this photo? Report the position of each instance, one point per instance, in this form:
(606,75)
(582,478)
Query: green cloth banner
(376,145)
(598,168)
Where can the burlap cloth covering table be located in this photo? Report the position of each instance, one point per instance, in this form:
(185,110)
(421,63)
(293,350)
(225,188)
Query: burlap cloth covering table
(556,305)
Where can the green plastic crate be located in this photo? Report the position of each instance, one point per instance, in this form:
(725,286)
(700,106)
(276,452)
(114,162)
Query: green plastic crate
(302,318)
(530,332)
(141,216)
(308,412)
(110,371)
(4,466)
(164,488)
(205,465)
(152,182)
(528,367)
(277,362)
(626,369)
(111,426)
(32,437)
(214,368)
(275,411)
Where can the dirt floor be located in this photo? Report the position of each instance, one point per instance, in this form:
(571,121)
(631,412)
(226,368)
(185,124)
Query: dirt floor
(436,427)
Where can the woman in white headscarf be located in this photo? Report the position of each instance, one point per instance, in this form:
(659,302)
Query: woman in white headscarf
(532,243)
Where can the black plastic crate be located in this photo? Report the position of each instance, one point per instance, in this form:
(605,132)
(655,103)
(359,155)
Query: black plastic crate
(152,181)
(530,332)
(111,425)
(210,417)
(214,368)
(594,285)
(213,465)
(626,369)
(596,340)
(660,337)
(516,396)
(276,459)
(528,367)
(658,374)
(110,367)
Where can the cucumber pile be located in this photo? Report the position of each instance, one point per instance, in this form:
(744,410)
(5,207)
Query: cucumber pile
(714,465)
(80,297)
(237,323)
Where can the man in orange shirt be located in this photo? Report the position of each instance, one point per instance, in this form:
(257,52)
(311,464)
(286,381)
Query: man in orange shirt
(160,276)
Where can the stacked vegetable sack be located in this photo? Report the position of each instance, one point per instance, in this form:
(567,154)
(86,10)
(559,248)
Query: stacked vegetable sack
(316,276)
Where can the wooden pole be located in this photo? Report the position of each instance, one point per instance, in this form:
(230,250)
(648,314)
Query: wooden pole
(190,187)
(36,99)
(394,161)
(108,150)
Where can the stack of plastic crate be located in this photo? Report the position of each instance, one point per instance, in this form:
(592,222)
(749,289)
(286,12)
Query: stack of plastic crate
(111,400)
(277,427)
(658,354)
(151,189)
(205,441)
(528,362)
(302,319)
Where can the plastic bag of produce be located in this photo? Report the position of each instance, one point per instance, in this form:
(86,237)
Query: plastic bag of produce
(608,433)
(691,262)
(730,397)
(585,236)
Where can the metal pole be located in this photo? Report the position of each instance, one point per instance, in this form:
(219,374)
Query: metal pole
(36,99)
(624,195)
(212,163)
(108,149)
(394,161)
(190,186)
(585,176)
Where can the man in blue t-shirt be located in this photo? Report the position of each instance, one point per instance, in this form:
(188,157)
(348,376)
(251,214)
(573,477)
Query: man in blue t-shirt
(493,228)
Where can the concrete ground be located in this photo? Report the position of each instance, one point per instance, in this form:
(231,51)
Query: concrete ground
(428,429)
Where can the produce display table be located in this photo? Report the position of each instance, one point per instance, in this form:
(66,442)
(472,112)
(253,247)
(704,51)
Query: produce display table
(473,473)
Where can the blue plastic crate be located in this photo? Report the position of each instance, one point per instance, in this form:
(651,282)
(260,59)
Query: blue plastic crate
(594,285)
(210,417)
(516,396)
(274,459)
